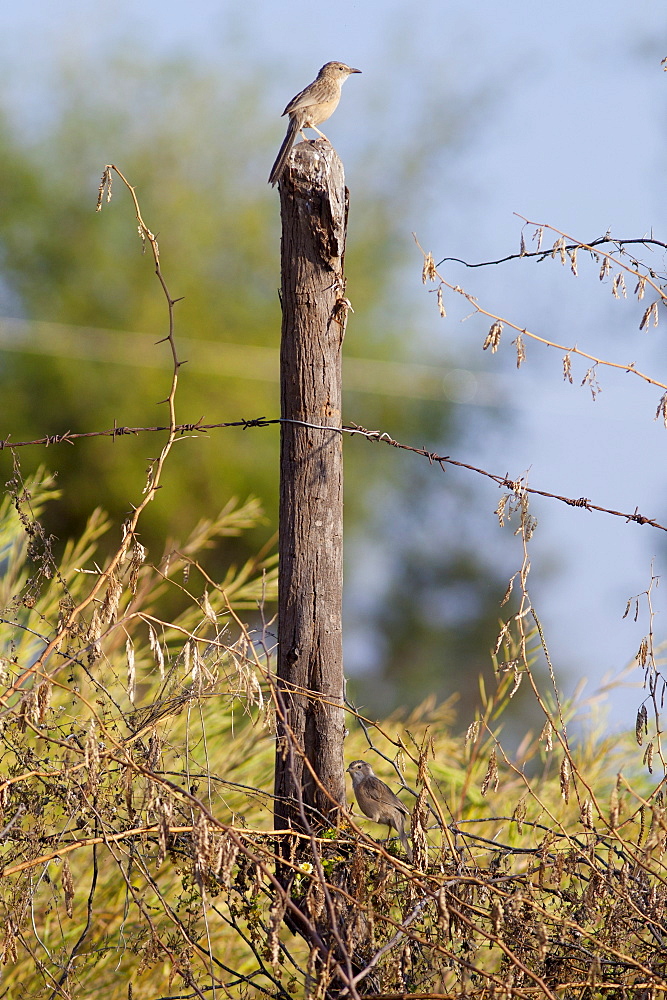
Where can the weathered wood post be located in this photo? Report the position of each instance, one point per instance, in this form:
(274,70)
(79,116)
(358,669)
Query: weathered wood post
(311,724)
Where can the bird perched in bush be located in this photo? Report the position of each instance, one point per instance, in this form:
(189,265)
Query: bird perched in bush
(377,801)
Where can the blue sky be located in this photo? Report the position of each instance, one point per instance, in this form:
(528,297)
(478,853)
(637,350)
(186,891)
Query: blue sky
(562,119)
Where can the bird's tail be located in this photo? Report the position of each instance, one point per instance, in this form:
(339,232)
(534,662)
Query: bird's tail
(285,149)
(404,839)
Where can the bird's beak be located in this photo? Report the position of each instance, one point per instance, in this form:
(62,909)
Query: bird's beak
(355,71)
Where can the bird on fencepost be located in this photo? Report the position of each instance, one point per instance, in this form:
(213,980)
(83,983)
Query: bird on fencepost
(310,108)
(377,801)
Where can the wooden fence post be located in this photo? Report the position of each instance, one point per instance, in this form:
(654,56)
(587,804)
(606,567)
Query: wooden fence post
(311,723)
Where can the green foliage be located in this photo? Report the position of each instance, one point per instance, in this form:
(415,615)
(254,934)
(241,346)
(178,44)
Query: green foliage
(128,695)
(219,239)
(137,721)
(136,811)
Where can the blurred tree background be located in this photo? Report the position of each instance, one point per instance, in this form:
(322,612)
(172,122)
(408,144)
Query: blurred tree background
(421,603)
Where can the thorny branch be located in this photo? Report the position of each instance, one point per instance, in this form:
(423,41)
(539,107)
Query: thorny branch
(380,437)
(129,541)
(620,244)
(566,249)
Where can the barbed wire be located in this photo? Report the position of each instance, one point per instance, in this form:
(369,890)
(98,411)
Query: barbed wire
(119,430)
(380,437)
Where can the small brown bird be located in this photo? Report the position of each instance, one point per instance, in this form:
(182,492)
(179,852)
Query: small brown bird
(310,108)
(377,801)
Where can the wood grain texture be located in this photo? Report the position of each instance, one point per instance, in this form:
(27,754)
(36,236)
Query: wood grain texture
(310,657)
